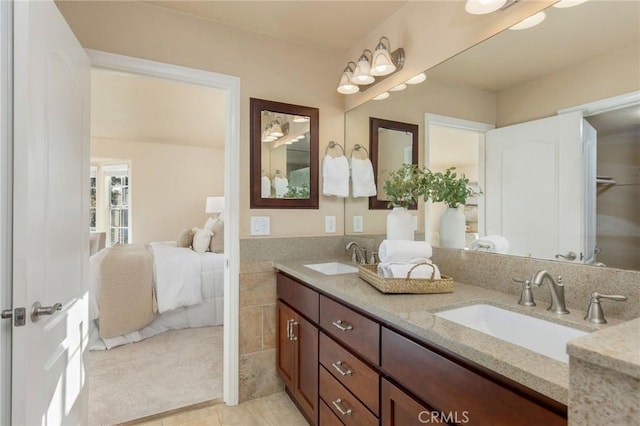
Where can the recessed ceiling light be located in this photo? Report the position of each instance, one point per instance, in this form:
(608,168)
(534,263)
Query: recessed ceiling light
(568,3)
(529,22)
(416,79)
(480,7)
(399,87)
(381,96)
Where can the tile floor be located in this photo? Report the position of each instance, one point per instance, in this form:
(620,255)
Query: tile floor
(272,410)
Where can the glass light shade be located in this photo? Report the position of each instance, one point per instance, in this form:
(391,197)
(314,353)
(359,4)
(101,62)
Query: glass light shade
(417,79)
(300,119)
(381,63)
(568,3)
(399,87)
(276,130)
(268,138)
(529,22)
(481,7)
(381,96)
(362,75)
(346,87)
(214,205)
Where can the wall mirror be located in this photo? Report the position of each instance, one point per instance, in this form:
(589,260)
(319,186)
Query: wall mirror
(284,155)
(575,57)
(392,144)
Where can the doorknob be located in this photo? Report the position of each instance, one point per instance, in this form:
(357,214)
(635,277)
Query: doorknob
(7,314)
(37,309)
(569,256)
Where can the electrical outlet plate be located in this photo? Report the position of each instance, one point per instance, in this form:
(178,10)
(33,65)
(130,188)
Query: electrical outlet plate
(260,225)
(330,224)
(358,225)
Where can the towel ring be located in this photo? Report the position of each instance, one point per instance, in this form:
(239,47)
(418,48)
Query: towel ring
(331,145)
(358,147)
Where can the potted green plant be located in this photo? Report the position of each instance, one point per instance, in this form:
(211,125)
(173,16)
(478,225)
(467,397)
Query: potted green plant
(403,188)
(453,190)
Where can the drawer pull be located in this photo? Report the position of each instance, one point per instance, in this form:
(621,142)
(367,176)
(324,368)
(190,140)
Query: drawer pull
(294,323)
(289,328)
(337,403)
(340,326)
(338,366)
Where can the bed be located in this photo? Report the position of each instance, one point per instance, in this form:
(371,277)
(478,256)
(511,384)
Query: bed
(145,290)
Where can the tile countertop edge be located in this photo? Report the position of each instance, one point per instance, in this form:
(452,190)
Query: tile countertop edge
(549,377)
(617,348)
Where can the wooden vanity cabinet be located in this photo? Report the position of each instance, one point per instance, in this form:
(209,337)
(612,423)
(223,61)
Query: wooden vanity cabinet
(400,409)
(297,344)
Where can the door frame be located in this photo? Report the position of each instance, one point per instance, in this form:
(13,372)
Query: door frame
(231,85)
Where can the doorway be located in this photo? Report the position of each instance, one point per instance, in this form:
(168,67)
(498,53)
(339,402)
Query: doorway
(230,86)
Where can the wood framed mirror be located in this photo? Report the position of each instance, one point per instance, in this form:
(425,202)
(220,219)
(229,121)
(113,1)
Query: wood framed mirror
(284,155)
(392,144)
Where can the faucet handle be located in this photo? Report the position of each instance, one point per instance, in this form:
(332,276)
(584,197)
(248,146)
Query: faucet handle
(594,310)
(526,297)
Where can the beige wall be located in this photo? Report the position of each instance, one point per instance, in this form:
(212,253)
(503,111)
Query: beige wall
(606,76)
(169,184)
(269,68)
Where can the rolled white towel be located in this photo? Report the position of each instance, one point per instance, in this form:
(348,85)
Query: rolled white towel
(401,270)
(362,178)
(491,243)
(266,187)
(335,176)
(403,251)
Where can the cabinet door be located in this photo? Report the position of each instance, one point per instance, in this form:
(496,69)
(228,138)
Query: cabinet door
(305,335)
(285,349)
(399,409)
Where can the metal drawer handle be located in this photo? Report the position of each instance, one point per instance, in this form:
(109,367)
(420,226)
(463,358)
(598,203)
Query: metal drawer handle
(294,323)
(342,411)
(340,326)
(338,366)
(289,329)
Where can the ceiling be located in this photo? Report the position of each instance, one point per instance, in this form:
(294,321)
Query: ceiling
(333,25)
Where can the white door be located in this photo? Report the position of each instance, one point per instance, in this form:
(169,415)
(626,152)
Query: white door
(535,187)
(51,221)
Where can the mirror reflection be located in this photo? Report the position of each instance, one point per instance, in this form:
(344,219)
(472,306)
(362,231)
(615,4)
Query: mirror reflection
(576,57)
(284,155)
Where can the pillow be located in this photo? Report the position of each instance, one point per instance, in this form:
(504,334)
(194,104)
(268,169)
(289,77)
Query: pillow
(201,239)
(216,244)
(185,238)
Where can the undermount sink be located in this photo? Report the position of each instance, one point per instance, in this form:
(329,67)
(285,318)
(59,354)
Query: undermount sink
(544,337)
(332,268)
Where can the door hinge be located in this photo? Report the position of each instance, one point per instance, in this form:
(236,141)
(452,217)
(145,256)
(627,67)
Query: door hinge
(19,316)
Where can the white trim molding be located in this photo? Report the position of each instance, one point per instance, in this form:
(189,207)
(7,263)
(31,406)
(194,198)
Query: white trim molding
(605,105)
(231,85)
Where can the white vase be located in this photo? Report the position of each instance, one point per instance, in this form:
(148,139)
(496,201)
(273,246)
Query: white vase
(399,224)
(452,228)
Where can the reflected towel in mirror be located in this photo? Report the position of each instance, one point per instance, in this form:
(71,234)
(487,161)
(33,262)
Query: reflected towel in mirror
(281,185)
(491,243)
(266,187)
(362,178)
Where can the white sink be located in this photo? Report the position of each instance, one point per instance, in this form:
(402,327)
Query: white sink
(544,337)
(332,268)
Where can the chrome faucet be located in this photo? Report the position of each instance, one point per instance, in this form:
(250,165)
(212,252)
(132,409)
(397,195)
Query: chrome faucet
(557,291)
(358,254)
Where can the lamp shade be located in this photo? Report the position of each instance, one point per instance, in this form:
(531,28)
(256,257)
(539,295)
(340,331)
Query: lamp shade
(481,7)
(214,205)
(381,63)
(361,75)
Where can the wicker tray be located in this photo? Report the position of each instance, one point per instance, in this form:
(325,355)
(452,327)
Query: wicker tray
(369,273)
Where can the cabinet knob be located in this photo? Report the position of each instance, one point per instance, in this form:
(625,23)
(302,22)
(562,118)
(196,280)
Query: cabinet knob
(342,325)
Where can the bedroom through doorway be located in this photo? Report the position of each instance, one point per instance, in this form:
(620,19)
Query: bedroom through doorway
(157,154)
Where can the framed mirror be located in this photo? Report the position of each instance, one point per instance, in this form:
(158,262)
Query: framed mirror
(284,155)
(392,144)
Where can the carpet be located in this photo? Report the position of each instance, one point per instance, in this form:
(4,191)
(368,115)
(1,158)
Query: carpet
(171,370)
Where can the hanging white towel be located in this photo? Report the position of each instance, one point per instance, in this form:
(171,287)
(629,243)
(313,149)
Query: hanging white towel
(362,179)
(403,251)
(281,185)
(491,243)
(335,176)
(266,187)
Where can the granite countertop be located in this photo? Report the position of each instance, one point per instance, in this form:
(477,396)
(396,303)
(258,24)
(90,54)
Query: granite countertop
(415,314)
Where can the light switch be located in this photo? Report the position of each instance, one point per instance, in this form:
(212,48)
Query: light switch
(260,225)
(358,224)
(330,224)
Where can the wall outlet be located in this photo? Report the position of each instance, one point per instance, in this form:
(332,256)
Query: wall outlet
(358,224)
(260,225)
(330,224)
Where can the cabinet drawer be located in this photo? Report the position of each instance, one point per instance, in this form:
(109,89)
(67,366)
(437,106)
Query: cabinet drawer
(349,327)
(327,418)
(451,388)
(338,399)
(299,297)
(399,409)
(354,374)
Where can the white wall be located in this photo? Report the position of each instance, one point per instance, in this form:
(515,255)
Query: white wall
(169,184)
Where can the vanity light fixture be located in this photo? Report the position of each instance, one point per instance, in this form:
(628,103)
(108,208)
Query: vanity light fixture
(276,128)
(399,87)
(381,96)
(300,119)
(481,7)
(417,79)
(568,3)
(529,22)
(362,73)
(346,87)
(371,67)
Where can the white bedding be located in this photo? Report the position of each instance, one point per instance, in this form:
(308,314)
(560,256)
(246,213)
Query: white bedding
(186,314)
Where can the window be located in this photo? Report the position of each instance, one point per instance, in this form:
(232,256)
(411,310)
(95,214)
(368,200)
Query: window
(117,186)
(93,187)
